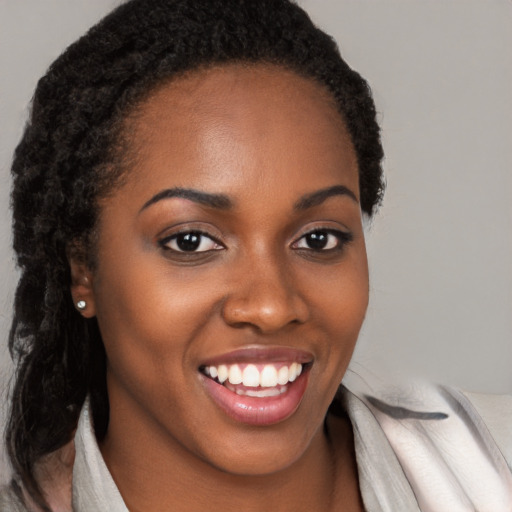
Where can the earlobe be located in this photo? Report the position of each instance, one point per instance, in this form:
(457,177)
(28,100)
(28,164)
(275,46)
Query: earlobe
(82,290)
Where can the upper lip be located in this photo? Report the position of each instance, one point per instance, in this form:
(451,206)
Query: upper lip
(261,354)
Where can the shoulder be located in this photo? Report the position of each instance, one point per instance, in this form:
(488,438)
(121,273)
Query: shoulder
(9,501)
(496,414)
(453,447)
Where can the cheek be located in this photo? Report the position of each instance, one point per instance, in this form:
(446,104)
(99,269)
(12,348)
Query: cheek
(147,317)
(342,293)
(341,302)
(355,295)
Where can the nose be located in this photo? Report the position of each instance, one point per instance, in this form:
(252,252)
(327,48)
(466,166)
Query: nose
(264,295)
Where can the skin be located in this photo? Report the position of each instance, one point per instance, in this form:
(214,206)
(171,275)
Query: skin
(265,138)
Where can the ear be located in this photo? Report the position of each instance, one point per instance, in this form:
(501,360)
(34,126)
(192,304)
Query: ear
(82,288)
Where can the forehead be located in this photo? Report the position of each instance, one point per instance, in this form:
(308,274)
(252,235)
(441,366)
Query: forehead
(202,90)
(240,122)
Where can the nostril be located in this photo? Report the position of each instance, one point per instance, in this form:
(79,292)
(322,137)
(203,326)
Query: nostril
(266,314)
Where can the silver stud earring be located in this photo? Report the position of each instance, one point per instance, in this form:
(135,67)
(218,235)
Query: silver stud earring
(81,305)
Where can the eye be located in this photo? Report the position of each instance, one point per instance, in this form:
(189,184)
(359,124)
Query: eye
(323,240)
(190,241)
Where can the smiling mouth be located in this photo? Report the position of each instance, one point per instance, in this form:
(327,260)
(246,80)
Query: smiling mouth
(258,392)
(255,380)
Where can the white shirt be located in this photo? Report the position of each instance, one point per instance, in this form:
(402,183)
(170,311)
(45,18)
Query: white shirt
(421,448)
(427,451)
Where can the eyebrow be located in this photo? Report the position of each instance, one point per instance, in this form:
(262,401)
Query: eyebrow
(223,202)
(318,197)
(218,201)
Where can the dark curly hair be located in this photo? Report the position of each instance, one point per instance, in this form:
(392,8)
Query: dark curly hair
(73,153)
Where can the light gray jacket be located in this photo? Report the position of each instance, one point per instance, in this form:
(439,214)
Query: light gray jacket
(425,448)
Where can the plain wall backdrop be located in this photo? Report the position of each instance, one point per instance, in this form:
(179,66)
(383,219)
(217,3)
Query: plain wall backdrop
(440,249)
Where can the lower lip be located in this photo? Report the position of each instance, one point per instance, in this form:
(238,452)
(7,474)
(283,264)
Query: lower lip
(258,411)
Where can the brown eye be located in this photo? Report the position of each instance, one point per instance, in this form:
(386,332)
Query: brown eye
(190,241)
(323,240)
(320,240)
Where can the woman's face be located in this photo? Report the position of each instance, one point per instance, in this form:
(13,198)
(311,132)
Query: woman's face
(233,251)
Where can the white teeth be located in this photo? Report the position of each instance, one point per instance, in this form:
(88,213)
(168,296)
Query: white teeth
(282,375)
(251,377)
(268,377)
(235,374)
(223,373)
(293,372)
(262,393)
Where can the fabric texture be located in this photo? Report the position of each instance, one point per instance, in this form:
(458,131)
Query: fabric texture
(435,451)
(422,448)
(9,502)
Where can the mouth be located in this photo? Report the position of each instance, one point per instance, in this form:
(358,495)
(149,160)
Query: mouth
(258,386)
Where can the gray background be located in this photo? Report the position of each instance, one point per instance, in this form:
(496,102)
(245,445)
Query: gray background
(440,249)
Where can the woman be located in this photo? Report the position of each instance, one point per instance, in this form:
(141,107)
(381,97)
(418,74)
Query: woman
(187,203)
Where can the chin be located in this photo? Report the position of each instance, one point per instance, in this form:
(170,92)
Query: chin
(260,451)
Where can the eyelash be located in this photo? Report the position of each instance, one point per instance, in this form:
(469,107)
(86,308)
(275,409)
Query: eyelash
(341,239)
(164,243)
